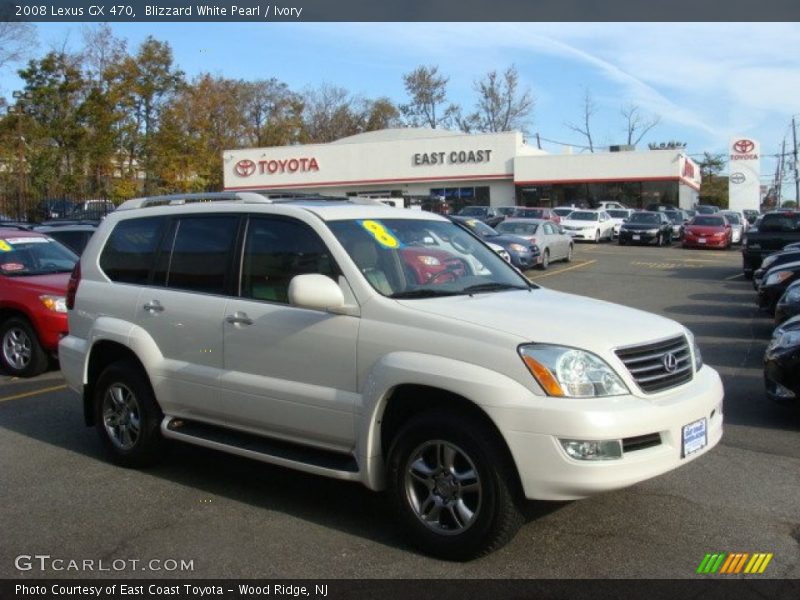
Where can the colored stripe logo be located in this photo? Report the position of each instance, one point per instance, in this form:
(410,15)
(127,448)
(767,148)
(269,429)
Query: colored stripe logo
(732,563)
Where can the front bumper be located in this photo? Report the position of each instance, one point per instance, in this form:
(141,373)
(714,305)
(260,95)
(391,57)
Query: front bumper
(768,296)
(50,326)
(548,473)
(709,242)
(782,375)
(644,237)
(582,234)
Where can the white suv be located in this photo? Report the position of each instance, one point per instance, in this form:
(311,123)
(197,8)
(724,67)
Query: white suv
(378,345)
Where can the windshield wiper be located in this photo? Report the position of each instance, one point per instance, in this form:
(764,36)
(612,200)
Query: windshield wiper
(425,293)
(491,287)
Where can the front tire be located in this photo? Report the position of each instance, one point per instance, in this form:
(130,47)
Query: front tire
(450,486)
(127,416)
(569,253)
(597,237)
(22,355)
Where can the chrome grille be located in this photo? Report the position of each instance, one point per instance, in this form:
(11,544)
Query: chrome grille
(647,364)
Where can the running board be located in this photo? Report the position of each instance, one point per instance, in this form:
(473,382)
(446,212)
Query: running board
(268,450)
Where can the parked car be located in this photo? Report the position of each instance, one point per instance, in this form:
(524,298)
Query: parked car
(73,235)
(706,209)
(524,255)
(751,215)
(564,211)
(773,260)
(707,231)
(788,305)
(736,221)
(536,212)
(460,397)
(590,225)
(552,243)
(782,363)
(794,246)
(660,207)
(507,211)
(53,209)
(94,210)
(34,271)
(646,227)
(776,280)
(487,214)
(618,217)
(678,219)
(610,205)
(771,233)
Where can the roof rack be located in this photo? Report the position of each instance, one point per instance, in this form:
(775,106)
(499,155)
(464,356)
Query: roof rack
(244,197)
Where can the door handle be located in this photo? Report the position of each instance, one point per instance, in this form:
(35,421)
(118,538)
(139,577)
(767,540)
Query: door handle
(239,318)
(153,306)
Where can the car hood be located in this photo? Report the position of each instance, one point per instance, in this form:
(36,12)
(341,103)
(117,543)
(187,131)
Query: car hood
(55,283)
(547,316)
(581,224)
(641,226)
(505,240)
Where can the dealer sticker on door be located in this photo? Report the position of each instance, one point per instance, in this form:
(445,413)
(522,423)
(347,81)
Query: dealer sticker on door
(695,437)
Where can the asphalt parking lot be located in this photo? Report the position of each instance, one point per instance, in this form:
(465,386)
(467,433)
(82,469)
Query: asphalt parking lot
(236,518)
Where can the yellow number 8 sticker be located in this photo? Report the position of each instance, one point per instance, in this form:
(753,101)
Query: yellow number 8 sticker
(381,235)
(4,246)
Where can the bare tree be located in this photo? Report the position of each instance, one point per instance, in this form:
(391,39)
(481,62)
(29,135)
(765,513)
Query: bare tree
(428,92)
(330,114)
(502,106)
(636,124)
(102,49)
(16,41)
(589,109)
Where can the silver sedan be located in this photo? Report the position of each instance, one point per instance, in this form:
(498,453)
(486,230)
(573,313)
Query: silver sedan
(553,243)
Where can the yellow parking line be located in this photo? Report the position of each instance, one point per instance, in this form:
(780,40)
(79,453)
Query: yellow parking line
(54,388)
(578,266)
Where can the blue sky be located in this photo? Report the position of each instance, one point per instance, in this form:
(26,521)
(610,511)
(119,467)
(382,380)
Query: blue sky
(707,81)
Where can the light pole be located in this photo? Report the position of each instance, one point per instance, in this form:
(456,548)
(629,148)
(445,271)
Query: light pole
(18,110)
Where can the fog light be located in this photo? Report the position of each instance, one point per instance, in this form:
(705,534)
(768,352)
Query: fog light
(593,449)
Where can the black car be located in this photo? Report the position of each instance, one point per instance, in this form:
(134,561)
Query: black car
(782,363)
(488,214)
(524,255)
(776,280)
(751,215)
(74,235)
(706,209)
(645,228)
(773,232)
(774,260)
(789,304)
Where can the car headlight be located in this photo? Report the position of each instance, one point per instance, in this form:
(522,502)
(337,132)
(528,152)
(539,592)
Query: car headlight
(768,261)
(431,261)
(791,295)
(778,277)
(518,248)
(652,231)
(698,358)
(571,373)
(54,303)
(788,339)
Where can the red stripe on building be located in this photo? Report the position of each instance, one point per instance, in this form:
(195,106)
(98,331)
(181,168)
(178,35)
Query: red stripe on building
(370,181)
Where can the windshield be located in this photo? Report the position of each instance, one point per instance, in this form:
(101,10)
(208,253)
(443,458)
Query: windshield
(708,221)
(673,216)
(413,258)
(733,218)
(579,215)
(517,228)
(648,218)
(21,256)
(562,212)
(617,213)
(706,210)
(506,211)
(473,211)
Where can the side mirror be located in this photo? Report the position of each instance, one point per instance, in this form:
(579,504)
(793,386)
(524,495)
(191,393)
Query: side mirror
(316,292)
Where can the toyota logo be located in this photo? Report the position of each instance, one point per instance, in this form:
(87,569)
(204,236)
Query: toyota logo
(670,362)
(744,146)
(245,168)
(737,178)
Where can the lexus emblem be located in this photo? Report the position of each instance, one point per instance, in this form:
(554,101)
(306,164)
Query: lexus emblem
(670,362)
(245,168)
(743,146)
(737,178)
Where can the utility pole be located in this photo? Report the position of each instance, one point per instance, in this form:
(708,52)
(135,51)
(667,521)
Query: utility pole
(796,164)
(780,173)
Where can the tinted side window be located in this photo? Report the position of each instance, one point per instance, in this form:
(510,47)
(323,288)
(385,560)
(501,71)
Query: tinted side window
(131,248)
(201,255)
(74,240)
(781,222)
(275,250)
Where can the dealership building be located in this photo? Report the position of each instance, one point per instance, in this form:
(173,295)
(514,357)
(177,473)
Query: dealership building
(498,169)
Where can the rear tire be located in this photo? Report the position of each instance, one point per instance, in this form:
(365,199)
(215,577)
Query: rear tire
(451,486)
(597,237)
(127,416)
(21,355)
(569,253)
(545,260)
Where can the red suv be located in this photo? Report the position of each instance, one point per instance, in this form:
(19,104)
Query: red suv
(34,272)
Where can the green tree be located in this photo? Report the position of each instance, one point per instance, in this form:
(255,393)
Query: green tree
(273,113)
(714,187)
